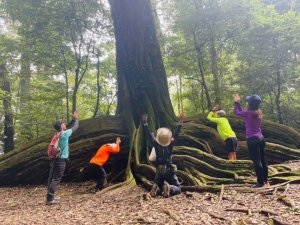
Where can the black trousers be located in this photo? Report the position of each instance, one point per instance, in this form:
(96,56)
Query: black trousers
(99,174)
(171,178)
(57,169)
(256,148)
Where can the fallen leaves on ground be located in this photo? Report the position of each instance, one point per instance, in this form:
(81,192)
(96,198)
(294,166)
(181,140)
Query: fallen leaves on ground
(26,205)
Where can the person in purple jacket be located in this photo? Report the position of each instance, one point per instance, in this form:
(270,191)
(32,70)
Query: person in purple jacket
(255,139)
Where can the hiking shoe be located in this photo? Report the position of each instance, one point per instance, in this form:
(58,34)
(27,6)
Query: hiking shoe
(52,202)
(166,190)
(257,185)
(154,190)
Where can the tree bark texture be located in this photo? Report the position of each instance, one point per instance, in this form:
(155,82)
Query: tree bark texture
(142,82)
(9,131)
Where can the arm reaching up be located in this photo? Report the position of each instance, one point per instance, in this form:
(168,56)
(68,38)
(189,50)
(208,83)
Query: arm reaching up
(148,131)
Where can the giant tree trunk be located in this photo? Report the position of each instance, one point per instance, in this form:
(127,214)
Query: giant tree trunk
(9,131)
(142,82)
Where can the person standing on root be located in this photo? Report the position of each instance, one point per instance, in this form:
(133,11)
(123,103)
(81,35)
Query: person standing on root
(255,139)
(166,181)
(98,161)
(58,164)
(224,129)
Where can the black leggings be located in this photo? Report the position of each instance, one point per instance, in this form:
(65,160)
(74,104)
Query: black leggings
(256,148)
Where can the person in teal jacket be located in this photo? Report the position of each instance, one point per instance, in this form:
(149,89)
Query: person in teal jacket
(225,131)
(58,164)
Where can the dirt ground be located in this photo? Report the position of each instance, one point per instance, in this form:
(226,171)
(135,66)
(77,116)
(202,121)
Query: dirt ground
(26,205)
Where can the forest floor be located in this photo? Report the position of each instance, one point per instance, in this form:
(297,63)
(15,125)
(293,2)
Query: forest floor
(133,205)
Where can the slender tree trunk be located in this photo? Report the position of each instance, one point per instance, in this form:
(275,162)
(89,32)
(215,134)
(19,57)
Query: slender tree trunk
(272,105)
(214,65)
(178,96)
(202,98)
(64,68)
(277,99)
(75,90)
(98,85)
(25,76)
(74,99)
(37,128)
(67,96)
(79,75)
(202,73)
(8,114)
(194,96)
(277,67)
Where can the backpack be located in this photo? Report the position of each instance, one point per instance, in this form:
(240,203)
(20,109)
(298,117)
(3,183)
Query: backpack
(54,150)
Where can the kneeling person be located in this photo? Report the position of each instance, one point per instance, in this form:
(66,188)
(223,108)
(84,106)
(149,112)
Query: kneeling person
(166,181)
(101,157)
(225,131)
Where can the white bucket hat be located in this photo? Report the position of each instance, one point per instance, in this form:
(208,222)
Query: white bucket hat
(221,113)
(164,136)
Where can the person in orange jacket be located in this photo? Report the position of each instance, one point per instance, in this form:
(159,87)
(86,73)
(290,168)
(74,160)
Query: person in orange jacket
(101,157)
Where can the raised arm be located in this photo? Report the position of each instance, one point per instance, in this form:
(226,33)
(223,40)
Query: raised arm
(181,118)
(238,110)
(148,131)
(116,148)
(211,117)
(176,131)
(74,124)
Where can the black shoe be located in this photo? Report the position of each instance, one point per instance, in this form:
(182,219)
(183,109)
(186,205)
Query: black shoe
(52,202)
(154,190)
(166,190)
(257,185)
(97,190)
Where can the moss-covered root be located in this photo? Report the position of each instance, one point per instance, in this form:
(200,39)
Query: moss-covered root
(241,167)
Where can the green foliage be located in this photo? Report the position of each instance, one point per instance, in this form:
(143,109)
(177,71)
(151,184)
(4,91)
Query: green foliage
(258,52)
(59,37)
